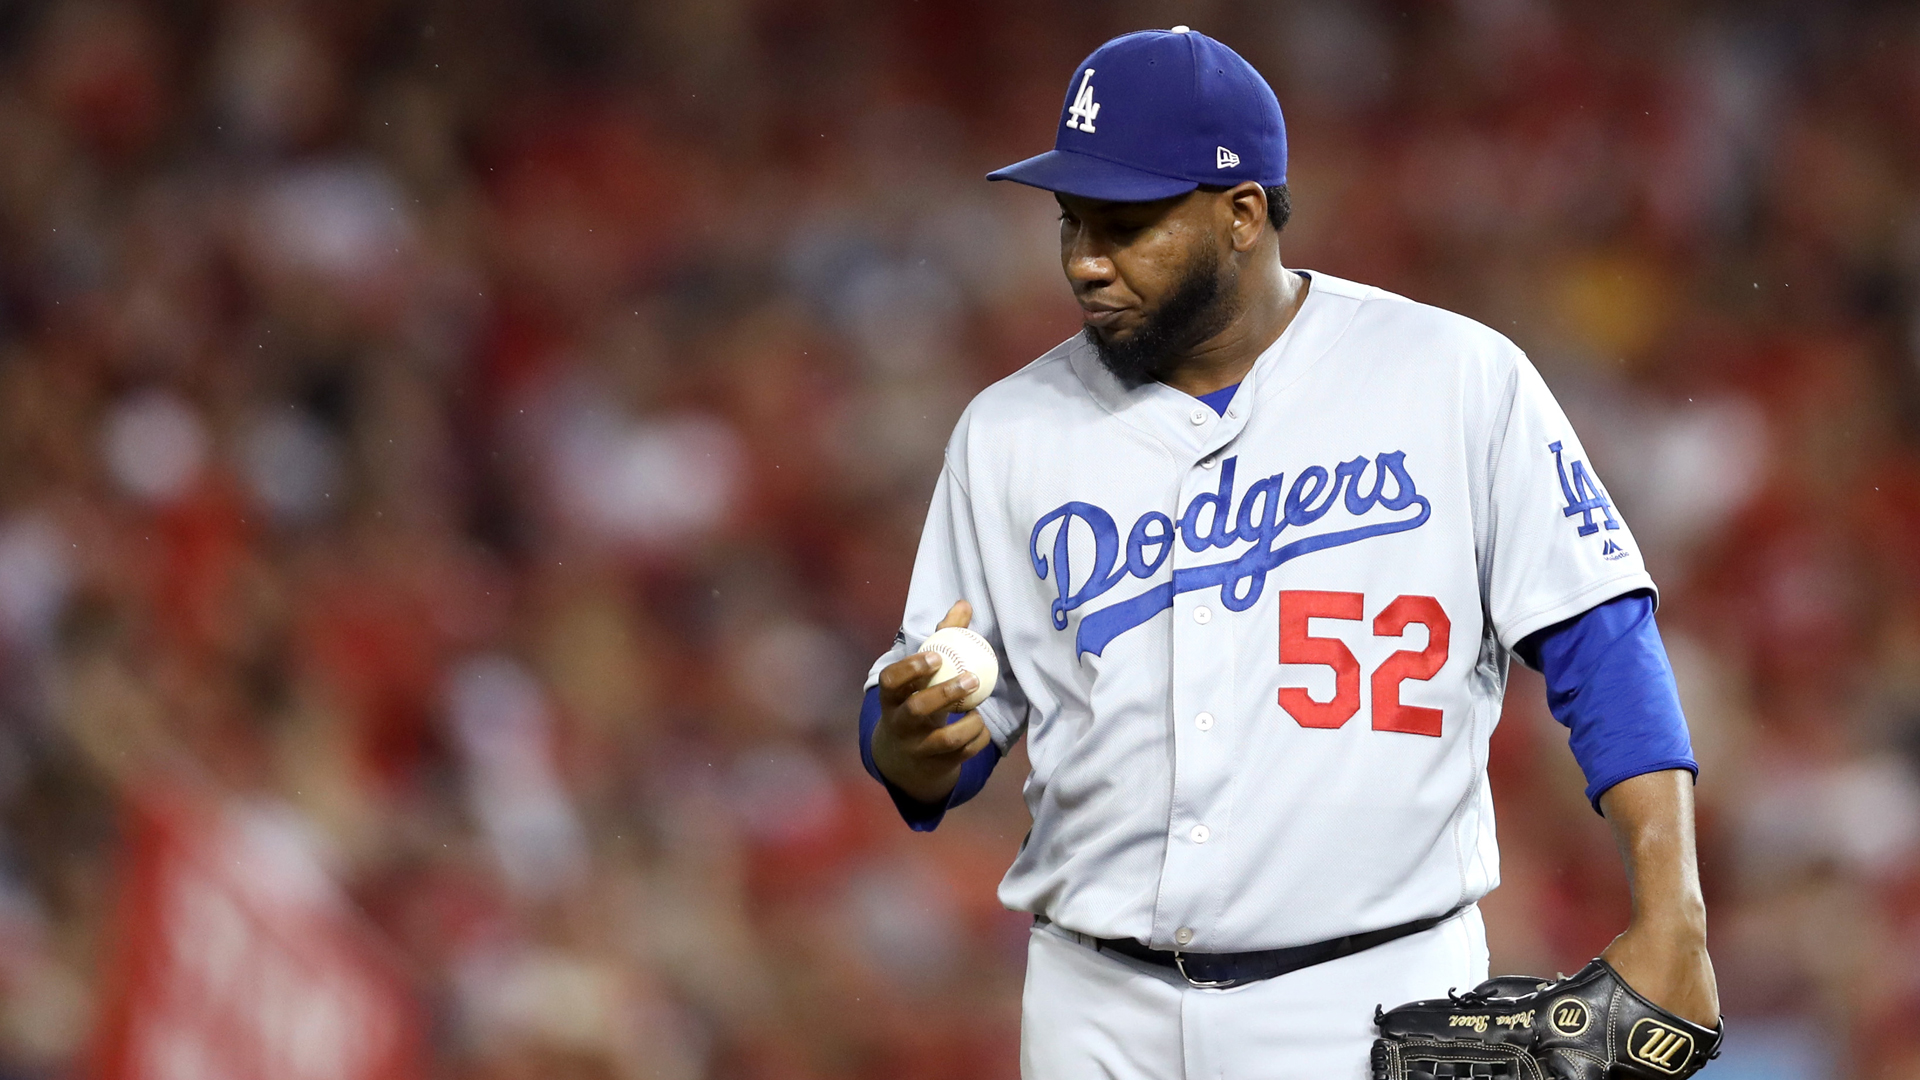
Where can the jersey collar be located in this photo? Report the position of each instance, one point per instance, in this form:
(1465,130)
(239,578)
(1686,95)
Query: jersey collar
(1185,424)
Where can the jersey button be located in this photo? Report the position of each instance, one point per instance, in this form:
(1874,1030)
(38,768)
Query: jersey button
(1204,721)
(1207,462)
(1198,416)
(1183,936)
(1201,834)
(1203,615)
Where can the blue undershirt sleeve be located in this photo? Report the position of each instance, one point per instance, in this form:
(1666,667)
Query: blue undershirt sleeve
(1610,684)
(923,817)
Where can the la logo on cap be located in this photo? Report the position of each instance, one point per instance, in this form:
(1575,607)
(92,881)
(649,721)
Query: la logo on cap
(1191,112)
(1084,108)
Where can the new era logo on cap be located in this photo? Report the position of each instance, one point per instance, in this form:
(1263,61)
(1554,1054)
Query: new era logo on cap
(1166,102)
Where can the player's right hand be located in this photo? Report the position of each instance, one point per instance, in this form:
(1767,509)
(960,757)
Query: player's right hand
(914,745)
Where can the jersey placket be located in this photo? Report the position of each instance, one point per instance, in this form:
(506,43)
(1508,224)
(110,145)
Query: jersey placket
(1205,639)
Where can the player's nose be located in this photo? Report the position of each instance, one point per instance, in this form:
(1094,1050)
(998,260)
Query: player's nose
(1087,264)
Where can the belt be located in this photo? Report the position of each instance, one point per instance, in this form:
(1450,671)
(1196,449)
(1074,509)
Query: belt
(1220,971)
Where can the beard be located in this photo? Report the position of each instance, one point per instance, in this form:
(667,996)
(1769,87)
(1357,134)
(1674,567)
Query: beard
(1196,311)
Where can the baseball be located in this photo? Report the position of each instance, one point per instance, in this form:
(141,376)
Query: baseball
(960,651)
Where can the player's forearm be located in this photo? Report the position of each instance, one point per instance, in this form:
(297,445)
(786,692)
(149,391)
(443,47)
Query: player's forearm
(1663,953)
(927,781)
(1652,819)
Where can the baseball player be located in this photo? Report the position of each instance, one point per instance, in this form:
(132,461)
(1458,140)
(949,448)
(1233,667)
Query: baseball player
(1254,551)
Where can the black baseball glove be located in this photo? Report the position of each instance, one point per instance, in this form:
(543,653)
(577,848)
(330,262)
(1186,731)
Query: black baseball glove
(1588,1027)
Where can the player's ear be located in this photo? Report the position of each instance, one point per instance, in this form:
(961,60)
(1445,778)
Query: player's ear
(1247,202)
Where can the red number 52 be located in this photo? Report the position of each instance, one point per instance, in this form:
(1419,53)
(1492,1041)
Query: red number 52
(1297,646)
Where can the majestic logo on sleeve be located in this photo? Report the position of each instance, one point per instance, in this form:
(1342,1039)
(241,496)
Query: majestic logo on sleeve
(1261,518)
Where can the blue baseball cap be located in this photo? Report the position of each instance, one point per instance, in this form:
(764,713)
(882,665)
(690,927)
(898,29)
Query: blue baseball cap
(1158,113)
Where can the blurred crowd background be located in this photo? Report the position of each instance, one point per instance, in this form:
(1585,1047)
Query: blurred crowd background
(457,460)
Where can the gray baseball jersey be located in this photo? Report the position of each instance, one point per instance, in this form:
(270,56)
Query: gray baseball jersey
(1258,656)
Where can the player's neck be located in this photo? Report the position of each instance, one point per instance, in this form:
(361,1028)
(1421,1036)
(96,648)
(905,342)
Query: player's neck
(1269,298)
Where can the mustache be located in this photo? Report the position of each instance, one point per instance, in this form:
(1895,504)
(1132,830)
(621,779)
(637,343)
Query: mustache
(1196,310)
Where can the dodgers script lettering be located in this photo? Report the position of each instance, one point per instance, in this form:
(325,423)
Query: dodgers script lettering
(1262,517)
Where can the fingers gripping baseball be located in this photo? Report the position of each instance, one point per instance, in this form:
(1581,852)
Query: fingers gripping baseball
(919,745)
(960,614)
(903,678)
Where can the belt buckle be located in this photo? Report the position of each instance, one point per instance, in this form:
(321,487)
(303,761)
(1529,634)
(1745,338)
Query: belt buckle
(1180,964)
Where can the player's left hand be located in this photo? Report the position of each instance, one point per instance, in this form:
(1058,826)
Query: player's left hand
(1590,1025)
(1669,966)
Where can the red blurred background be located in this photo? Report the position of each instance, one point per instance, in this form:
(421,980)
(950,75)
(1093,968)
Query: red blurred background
(458,459)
